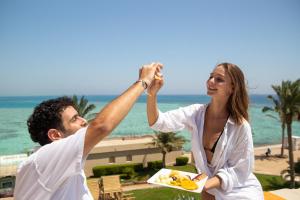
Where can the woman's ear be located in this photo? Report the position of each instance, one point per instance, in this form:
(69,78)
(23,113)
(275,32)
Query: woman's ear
(54,134)
(232,89)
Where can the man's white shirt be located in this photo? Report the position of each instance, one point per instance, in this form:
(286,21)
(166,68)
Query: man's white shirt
(55,171)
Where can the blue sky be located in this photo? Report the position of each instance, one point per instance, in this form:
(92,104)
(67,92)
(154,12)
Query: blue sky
(96,47)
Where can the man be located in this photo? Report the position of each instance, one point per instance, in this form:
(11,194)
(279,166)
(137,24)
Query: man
(55,171)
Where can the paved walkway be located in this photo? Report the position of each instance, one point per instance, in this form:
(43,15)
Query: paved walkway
(289,194)
(139,186)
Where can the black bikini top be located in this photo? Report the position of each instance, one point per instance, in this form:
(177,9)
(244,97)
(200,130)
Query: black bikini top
(215,144)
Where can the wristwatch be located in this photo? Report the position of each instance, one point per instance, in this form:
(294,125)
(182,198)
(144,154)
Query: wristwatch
(144,84)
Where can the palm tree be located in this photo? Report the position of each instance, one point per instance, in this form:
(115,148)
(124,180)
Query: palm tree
(277,108)
(289,96)
(82,107)
(167,142)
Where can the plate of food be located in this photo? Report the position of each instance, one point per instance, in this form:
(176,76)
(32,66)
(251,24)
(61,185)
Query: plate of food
(180,180)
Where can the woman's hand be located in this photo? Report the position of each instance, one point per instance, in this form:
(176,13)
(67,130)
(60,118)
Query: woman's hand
(214,182)
(206,196)
(156,84)
(152,109)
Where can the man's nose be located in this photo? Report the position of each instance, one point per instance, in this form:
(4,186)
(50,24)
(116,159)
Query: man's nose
(83,122)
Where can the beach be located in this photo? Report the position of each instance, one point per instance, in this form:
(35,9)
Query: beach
(272,165)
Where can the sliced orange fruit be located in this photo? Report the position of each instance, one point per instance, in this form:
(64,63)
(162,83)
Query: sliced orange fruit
(189,185)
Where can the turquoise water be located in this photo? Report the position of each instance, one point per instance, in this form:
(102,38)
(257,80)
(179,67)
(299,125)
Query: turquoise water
(14,111)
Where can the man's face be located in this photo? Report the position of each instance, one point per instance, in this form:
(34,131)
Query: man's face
(72,122)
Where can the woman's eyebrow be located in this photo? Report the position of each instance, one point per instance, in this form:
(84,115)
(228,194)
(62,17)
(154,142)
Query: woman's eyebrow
(218,74)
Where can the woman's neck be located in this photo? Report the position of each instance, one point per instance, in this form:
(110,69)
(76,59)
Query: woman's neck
(218,109)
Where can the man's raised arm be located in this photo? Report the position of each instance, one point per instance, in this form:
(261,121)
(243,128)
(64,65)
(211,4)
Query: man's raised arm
(114,112)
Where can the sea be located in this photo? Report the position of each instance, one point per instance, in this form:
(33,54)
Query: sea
(14,112)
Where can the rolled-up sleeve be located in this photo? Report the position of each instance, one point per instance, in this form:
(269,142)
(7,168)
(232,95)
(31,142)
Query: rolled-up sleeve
(176,120)
(240,163)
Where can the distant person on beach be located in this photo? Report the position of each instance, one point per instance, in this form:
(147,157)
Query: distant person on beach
(55,171)
(222,143)
(268,152)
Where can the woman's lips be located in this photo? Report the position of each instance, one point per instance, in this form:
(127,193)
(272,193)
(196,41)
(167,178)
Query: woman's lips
(211,89)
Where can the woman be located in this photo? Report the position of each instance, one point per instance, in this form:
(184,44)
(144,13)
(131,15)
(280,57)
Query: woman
(222,143)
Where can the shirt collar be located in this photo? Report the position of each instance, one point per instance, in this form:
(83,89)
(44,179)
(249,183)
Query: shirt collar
(230,120)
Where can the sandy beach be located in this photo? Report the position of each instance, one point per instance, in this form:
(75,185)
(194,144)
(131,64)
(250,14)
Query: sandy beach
(273,164)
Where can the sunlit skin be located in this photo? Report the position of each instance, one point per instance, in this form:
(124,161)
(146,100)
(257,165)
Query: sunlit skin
(72,122)
(219,84)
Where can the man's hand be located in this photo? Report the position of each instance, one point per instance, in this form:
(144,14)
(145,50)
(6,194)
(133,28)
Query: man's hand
(114,112)
(148,72)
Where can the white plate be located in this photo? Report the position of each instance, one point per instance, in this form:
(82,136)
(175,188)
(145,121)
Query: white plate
(164,171)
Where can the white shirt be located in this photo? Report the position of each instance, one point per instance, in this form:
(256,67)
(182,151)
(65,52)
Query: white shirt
(233,158)
(55,172)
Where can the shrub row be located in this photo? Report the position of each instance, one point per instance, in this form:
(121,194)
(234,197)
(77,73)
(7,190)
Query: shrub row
(155,165)
(116,169)
(128,170)
(180,161)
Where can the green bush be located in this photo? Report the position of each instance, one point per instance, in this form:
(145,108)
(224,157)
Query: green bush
(115,169)
(123,176)
(129,172)
(138,167)
(155,165)
(180,161)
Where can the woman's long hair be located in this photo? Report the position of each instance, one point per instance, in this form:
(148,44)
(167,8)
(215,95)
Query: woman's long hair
(238,102)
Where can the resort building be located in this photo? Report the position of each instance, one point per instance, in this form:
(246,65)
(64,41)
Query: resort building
(8,170)
(7,181)
(125,150)
(295,141)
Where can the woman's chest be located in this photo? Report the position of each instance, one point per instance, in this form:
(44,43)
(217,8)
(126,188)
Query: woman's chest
(211,132)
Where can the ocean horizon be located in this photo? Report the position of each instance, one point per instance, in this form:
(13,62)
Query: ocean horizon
(15,110)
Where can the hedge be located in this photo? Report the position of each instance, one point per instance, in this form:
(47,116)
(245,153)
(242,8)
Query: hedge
(115,169)
(129,171)
(155,165)
(123,169)
(180,161)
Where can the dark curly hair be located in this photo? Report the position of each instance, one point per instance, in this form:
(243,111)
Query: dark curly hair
(45,116)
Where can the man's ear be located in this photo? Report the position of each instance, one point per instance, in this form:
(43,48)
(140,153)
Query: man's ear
(54,134)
